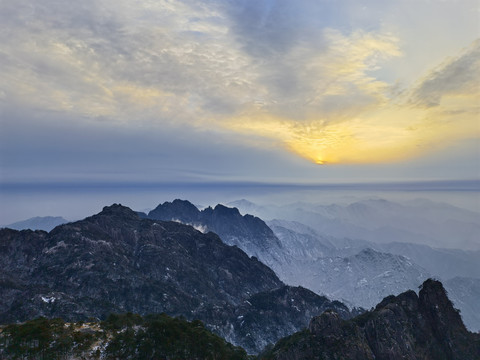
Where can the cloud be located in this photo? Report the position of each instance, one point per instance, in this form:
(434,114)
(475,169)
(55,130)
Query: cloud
(369,126)
(305,77)
(181,62)
(151,60)
(456,77)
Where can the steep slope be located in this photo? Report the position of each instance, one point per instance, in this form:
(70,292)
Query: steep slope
(364,278)
(390,269)
(117,262)
(355,275)
(300,256)
(465,295)
(266,317)
(402,327)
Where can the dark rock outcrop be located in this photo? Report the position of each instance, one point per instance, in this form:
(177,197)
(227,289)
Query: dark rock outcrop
(401,327)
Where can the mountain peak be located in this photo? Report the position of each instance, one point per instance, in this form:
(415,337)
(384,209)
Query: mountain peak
(180,202)
(119,210)
(175,209)
(434,300)
(432,294)
(224,210)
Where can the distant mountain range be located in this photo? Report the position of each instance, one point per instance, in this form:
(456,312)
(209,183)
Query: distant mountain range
(420,221)
(45,223)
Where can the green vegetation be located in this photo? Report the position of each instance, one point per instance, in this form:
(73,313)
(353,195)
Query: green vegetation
(126,336)
(163,337)
(45,339)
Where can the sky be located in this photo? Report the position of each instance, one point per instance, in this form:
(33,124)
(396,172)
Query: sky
(228,91)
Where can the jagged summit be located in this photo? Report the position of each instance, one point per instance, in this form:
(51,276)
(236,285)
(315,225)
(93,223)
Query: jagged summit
(118,210)
(247,232)
(171,211)
(185,211)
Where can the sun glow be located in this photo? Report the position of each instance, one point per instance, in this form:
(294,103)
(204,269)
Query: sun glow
(392,133)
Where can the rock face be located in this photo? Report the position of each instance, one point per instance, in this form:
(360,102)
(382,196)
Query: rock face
(402,327)
(357,276)
(117,262)
(268,316)
(364,278)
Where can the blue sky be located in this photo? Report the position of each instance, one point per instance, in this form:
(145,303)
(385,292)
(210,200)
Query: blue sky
(237,91)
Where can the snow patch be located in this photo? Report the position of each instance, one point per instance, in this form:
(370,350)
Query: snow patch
(48,299)
(201,228)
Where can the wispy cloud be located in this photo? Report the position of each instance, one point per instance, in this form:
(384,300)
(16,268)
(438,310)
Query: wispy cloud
(456,77)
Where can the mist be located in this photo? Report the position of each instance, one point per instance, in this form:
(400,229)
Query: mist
(77,201)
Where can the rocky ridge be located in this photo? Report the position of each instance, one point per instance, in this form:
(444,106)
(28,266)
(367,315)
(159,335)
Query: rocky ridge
(117,262)
(248,232)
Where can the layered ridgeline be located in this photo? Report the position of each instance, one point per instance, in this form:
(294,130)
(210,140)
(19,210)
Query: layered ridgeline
(117,262)
(377,220)
(357,272)
(406,326)
(300,256)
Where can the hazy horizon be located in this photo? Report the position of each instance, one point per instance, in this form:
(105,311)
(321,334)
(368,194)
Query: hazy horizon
(76,201)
